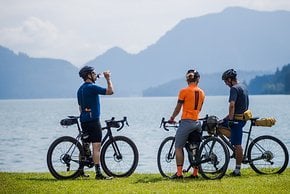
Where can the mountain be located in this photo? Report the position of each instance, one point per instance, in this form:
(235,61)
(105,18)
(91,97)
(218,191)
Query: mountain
(25,77)
(248,40)
(239,38)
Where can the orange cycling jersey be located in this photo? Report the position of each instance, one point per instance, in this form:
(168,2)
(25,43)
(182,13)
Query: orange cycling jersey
(192,98)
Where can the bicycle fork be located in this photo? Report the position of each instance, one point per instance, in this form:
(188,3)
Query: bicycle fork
(117,154)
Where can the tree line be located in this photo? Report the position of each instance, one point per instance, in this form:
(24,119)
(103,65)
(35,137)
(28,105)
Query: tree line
(277,83)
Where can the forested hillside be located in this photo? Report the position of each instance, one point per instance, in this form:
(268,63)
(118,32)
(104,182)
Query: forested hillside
(277,83)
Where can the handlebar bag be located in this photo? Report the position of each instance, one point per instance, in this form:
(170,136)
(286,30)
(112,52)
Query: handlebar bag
(211,124)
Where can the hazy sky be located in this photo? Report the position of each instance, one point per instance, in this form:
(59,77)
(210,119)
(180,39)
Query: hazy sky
(80,30)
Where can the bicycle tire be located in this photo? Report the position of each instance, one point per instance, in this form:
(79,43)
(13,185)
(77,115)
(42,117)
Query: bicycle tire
(61,164)
(166,157)
(123,165)
(272,152)
(214,158)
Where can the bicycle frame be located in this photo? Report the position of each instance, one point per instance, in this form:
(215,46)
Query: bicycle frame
(68,156)
(210,164)
(196,161)
(249,139)
(193,162)
(108,136)
(265,154)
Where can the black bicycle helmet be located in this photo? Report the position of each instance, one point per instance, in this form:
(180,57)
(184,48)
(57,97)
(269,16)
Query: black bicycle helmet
(192,75)
(230,73)
(83,73)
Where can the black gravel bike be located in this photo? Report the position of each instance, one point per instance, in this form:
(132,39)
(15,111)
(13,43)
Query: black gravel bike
(67,156)
(209,154)
(265,154)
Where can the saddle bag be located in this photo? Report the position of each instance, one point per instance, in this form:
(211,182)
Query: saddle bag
(265,122)
(195,137)
(68,122)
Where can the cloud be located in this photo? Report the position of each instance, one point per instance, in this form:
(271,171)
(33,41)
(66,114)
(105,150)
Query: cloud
(32,31)
(41,38)
(78,31)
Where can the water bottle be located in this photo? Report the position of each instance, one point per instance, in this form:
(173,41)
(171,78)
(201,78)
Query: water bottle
(87,149)
(99,75)
(193,148)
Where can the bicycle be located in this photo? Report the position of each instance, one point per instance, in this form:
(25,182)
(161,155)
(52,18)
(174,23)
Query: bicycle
(209,154)
(265,154)
(67,156)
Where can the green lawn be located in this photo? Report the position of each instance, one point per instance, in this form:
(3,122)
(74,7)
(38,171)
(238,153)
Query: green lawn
(249,182)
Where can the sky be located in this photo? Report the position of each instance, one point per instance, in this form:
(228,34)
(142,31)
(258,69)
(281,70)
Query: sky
(80,30)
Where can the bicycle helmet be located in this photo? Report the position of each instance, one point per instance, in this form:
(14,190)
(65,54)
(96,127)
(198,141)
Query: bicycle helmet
(83,73)
(192,75)
(230,73)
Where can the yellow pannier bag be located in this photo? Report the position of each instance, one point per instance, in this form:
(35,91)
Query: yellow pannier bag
(225,131)
(265,122)
(247,115)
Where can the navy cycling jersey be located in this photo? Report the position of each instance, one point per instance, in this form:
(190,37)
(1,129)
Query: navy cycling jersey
(239,94)
(89,101)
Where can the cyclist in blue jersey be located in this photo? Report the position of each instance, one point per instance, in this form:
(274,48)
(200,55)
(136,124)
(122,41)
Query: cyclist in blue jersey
(89,106)
(238,104)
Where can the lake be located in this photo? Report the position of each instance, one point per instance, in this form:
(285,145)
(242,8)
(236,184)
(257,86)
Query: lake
(28,127)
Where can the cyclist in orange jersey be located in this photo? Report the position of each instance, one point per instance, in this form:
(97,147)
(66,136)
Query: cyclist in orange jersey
(190,100)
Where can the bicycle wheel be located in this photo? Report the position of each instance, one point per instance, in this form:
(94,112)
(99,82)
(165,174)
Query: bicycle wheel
(119,157)
(268,155)
(166,157)
(63,158)
(214,158)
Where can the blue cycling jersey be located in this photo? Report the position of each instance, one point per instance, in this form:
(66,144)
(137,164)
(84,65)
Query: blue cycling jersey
(89,101)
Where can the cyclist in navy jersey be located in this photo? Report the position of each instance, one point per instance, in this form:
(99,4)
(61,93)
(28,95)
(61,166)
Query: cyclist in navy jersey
(89,106)
(238,104)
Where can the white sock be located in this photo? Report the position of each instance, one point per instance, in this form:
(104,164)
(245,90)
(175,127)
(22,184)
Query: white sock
(238,168)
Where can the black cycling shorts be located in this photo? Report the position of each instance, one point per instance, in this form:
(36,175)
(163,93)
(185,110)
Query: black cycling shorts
(94,131)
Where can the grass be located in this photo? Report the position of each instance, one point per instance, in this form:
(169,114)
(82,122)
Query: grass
(249,182)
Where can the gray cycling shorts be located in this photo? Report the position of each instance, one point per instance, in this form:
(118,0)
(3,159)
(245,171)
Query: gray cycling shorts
(186,126)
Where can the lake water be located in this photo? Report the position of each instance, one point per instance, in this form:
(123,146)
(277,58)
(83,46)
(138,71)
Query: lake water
(28,127)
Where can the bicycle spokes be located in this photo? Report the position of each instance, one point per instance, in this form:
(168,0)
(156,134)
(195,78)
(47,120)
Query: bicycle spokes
(214,158)
(166,157)
(169,156)
(119,157)
(268,155)
(64,158)
(209,155)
